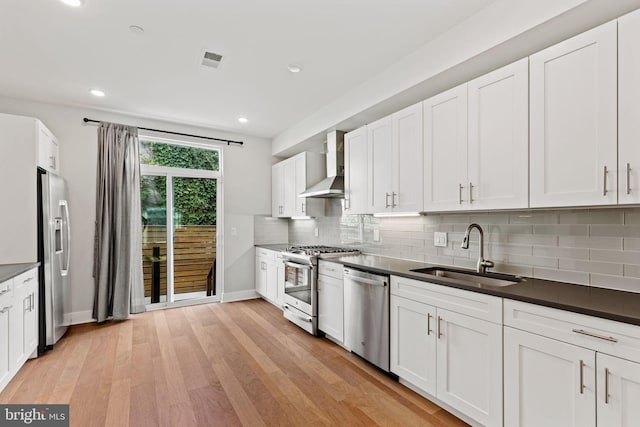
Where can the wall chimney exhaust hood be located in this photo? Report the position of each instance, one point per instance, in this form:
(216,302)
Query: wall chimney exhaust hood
(333,185)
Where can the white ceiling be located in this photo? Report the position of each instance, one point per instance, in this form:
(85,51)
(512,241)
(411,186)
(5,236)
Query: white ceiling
(55,53)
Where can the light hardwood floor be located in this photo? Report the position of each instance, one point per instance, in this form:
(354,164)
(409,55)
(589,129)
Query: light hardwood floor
(230,364)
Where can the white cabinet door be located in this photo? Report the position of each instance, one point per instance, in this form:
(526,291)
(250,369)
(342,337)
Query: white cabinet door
(629,108)
(573,121)
(547,382)
(30,323)
(289,187)
(261,276)
(280,281)
(413,342)
(469,366)
(618,392)
(498,157)
(48,150)
(331,306)
(5,371)
(300,165)
(380,177)
(277,190)
(445,150)
(272,280)
(355,173)
(408,160)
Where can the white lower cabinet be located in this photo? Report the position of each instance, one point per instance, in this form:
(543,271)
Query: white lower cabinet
(448,343)
(542,382)
(413,342)
(567,369)
(18,323)
(618,402)
(331,300)
(267,275)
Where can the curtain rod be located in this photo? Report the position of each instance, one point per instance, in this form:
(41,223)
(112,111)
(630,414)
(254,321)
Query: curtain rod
(228,141)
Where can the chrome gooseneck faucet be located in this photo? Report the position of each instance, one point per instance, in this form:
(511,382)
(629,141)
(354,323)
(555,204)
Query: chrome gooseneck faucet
(483,264)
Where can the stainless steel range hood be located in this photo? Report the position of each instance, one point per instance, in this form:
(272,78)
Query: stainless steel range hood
(333,185)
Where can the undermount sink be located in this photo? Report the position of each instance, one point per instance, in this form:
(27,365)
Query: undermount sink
(471,278)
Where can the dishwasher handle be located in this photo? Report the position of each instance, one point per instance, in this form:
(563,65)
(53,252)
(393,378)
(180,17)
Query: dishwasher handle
(361,277)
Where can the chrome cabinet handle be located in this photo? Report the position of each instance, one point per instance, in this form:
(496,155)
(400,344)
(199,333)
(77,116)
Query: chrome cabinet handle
(604,182)
(28,279)
(303,207)
(386,200)
(347,203)
(429,324)
(581,377)
(591,334)
(5,291)
(460,187)
(33,301)
(470,192)
(439,327)
(606,386)
(628,178)
(393,200)
(5,309)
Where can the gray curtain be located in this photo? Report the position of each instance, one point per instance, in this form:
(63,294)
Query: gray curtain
(117,261)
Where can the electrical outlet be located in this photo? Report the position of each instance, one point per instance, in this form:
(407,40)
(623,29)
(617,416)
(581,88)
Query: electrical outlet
(234,231)
(440,239)
(376,235)
(315,232)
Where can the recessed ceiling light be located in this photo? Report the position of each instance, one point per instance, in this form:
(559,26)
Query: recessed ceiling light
(294,68)
(72,3)
(243,119)
(97,92)
(136,29)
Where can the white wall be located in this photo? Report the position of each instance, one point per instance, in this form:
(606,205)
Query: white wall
(247,190)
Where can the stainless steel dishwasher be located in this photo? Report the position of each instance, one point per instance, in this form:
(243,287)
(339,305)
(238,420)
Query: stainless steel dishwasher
(366,308)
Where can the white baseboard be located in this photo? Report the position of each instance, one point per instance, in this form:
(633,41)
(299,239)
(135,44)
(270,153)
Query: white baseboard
(239,295)
(79,317)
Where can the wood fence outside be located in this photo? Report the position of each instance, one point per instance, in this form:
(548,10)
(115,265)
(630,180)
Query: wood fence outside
(194,252)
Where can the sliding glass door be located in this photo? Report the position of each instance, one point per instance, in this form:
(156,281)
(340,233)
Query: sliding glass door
(180,222)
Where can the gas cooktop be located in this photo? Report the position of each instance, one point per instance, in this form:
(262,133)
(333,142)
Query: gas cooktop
(319,250)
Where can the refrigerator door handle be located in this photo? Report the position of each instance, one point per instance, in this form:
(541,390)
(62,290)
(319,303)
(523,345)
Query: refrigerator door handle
(67,238)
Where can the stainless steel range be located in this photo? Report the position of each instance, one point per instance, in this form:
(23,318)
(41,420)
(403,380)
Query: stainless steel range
(301,282)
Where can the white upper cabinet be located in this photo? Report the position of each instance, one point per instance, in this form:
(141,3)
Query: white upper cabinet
(48,150)
(380,172)
(445,150)
(573,121)
(355,171)
(408,165)
(629,108)
(498,139)
(291,177)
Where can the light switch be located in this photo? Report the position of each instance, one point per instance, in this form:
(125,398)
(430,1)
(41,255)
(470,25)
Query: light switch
(440,239)
(376,235)
(315,232)
(234,231)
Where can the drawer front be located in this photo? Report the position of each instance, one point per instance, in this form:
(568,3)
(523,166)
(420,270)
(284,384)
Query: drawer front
(25,279)
(6,288)
(331,269)
(266,254)
(480,306)
(602,335)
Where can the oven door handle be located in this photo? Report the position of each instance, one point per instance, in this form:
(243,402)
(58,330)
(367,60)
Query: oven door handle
(296,265)
(303,318)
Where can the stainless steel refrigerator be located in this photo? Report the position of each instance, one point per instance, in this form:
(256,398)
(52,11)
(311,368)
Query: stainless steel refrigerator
(54,238)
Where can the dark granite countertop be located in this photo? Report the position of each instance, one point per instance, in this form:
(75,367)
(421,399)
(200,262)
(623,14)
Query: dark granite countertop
(9,271)
(274,247)
(606,303)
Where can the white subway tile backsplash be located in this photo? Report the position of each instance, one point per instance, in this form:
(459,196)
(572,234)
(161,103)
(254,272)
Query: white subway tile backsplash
(576,277)
(590,242)
(616,282)
(556,252)
(597,246)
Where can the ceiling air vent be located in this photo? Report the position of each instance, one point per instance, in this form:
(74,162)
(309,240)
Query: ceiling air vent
(211,59)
